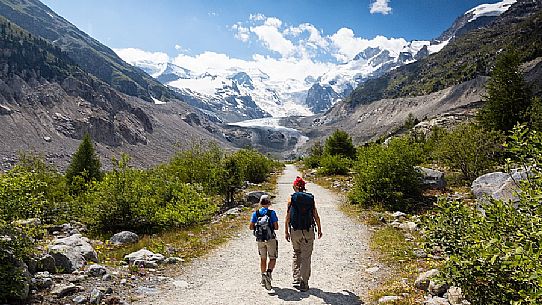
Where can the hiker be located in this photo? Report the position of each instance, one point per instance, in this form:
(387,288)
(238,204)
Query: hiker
(300,225)
(264,222)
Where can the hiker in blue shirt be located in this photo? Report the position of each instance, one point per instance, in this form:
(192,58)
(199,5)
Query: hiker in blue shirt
(264,222)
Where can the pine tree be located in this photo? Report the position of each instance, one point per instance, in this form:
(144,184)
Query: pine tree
(85,164)
(508,97)
(340,143)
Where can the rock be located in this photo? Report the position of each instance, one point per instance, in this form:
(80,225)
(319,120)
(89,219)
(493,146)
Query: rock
(173,260)
(144,256)
(437,289)
(420,253)
(80,299)
(96,296)
(233,211)
(372,270)
(71,253)
(396,224)
(399,215)
(96,270)
(436,301)
(498,185)
(112,300)
(42,280)
(63,290)
(123,281)
(146,290)
(388,299)
(23,288)
(124,238)
(432,178)
(455,296)
(47,139)
(107,277)
(180,284)
(31,222)
(422,282)
(46,263)
(254,197)
(409,226)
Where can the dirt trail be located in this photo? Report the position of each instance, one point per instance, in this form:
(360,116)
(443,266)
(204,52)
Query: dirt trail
(230,275)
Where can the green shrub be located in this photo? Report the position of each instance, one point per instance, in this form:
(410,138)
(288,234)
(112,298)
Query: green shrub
(254,166)
(84,167)
(334,165)
(470,149)
(145,201)
(494,253)
(315,155)
(340,143)
(386,174)
(15,246)
(34,190)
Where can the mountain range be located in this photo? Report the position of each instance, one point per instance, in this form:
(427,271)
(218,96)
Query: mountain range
(235,94)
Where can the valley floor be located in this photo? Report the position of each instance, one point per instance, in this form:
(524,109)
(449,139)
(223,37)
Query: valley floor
(230,274)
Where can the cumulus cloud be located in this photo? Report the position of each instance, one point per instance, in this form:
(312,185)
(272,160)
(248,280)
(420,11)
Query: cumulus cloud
(381,7)
(132,55)
(346,45)
(242,33)
(271,37)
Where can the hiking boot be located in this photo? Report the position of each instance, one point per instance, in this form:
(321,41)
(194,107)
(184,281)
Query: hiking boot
(266,281)
(296,282)
(304,286)
(270,275)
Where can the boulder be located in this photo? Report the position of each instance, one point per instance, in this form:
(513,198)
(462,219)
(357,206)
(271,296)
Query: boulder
(432,178)
(254,197)
(436,301)
(96,296)
(42,280)
(46,263)
(144,257)
(124,238)
(389,299)
(96,270)
(498,185)
(409,226)
(423,280)
(63,290)
(455,296)
(71,253)
(437,289)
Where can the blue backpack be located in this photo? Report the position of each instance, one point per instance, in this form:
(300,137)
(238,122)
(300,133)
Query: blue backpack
(301,211)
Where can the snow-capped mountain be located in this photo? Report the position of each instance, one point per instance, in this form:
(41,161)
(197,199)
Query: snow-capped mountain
(236,94)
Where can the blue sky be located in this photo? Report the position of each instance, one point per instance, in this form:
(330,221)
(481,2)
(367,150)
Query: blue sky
(194,27)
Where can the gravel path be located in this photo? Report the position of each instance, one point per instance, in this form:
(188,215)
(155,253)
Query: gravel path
(230,275)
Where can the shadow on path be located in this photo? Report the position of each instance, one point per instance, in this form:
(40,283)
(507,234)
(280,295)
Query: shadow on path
(331,298)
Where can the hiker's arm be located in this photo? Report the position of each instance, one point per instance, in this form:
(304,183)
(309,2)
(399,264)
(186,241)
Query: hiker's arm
(252,226)
(317,220)
(287,222)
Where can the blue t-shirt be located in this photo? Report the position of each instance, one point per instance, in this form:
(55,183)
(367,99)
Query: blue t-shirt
(263,211)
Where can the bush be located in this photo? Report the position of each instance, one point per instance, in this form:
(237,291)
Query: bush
(144,201)
(34,190)
(254,166)
(340,143)
(15,246)
(315,155)
(470,149)
(386,174)
(334,165)
(494,253)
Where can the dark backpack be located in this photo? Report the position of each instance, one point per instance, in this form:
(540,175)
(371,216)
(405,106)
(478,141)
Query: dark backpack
(301,208)
(263,229)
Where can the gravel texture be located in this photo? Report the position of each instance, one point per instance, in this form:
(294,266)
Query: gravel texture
(230,275)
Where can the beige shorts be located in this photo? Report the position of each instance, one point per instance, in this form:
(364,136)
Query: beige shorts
(268,248)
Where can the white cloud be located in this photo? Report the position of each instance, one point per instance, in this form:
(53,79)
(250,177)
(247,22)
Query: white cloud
(381,7)
(242,33)
(257,17)
(274,22)
(346,45)
(273,39)
(180,48)
(132,55)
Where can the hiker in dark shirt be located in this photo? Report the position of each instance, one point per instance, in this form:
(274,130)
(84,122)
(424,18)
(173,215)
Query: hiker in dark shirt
(301,220)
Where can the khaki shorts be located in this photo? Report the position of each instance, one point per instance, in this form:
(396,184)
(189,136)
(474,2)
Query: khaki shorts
(268,248)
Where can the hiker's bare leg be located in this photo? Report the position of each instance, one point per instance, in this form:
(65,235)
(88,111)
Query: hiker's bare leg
(263,264)
(272,262)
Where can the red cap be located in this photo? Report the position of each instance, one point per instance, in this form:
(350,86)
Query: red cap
(300,183)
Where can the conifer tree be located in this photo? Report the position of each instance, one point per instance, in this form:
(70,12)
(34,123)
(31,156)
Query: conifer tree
(508,96)
(85,163)
(340,143)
